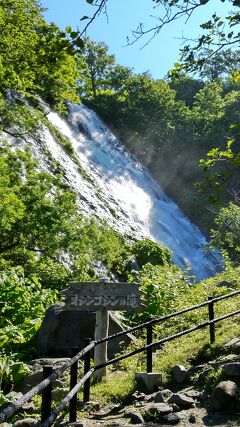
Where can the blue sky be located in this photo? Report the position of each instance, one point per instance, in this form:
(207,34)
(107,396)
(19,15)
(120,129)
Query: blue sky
(123,16)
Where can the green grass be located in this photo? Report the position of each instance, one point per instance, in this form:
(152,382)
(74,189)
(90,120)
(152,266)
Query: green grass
(118,387)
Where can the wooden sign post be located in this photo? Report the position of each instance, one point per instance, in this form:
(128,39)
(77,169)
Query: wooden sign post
(101,331)
(100,351)
(101,297)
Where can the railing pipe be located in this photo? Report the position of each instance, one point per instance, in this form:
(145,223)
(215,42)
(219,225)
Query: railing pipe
(86,386)
(49,421)
(46,395)
(149,349)
(211,317)
(73,382)
(13,407)
(170,338)
(166,317)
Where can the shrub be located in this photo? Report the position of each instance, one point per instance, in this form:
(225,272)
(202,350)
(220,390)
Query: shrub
(147,251)
(227,232)
(23,303)
(162,286)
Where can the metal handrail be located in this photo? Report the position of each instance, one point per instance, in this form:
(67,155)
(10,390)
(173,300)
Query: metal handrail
(166,339)
(166,317)
(12,408)
(67,399)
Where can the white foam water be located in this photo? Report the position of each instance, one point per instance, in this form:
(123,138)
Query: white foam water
(131,199)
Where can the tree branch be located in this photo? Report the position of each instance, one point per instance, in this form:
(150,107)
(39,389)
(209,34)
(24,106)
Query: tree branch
(171,15)
(100,6)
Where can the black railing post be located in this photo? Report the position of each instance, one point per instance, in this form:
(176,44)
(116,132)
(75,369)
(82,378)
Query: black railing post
(149,350)
(87,362)
(73,382)
(211,317)
(46,394)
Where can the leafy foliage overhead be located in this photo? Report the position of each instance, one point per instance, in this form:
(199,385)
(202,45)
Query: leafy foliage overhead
(99,67)
(218,32)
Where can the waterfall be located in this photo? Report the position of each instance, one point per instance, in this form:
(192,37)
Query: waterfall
(117,187)
(141,206)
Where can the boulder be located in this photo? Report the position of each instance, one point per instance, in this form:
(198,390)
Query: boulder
(234,344)
(139,404)
(148,381)
(26,422)
(223,395)
(162,396)
(225,283)
(181,400)
(36,373)
(193,393)
(62,330)
(92,405)
(171,419)
(232,369)
(192,419)
(179,373)
(158,409)
(139,396)
(135,417)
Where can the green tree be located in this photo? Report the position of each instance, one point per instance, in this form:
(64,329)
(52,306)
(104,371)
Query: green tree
(186,88)
(146,251)
(118,77)
(146,112)
(36,58)
(163,285)
(109,101)
(208,112)
(35,212)
(221,165)
(99,66)
(226,234)
(219,65)
(56,69)
(208,103)
(222,172)
(18,54)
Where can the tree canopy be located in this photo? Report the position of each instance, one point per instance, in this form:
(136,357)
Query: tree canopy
(36,58)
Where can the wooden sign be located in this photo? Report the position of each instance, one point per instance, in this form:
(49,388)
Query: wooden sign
(94,296)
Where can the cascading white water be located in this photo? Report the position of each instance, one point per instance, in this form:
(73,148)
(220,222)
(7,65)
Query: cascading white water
(123,190)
